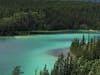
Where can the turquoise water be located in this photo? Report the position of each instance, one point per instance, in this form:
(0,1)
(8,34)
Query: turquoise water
(31,52)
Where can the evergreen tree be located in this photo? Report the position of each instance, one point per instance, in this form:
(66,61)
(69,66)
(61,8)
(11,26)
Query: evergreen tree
(17,71)
(83,42)
(45,71)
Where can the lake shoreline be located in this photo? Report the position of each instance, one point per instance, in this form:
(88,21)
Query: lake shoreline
(65,31)
(33,33)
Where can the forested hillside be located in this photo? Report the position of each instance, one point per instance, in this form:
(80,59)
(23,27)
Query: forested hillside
(28,15)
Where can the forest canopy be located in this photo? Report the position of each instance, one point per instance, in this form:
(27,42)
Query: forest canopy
(28,15)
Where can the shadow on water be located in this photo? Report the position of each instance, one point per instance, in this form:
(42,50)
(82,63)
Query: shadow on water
(58,52)
(6,38)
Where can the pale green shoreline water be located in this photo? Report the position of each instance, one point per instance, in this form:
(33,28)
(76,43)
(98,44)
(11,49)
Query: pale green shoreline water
(31,52)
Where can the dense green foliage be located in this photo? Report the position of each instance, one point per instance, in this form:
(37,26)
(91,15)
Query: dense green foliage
(28,15)
(88,50)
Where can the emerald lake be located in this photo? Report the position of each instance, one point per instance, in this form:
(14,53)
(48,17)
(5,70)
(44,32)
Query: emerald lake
(33,52)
